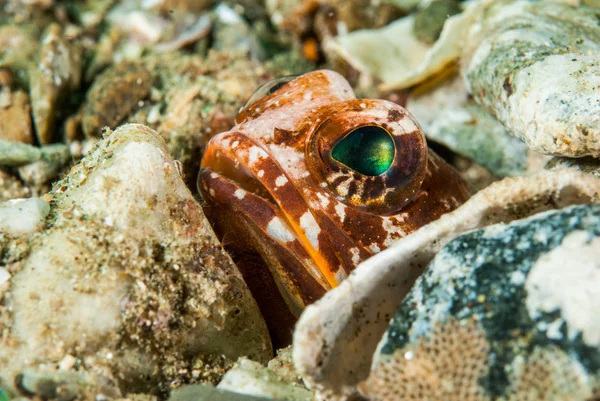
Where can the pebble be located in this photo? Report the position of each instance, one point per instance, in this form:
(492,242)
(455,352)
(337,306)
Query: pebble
(114,95)
(22,216)
(15,116)
(249,377)
(199,392)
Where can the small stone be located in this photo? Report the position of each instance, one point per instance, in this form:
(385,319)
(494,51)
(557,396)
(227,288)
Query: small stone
(22,216)
(56,76)
(13,154)
(199,392)
(249,377)
(4,276)
(53,159)
(114,95)
(15,117)
(67,362)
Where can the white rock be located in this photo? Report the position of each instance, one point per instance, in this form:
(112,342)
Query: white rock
(251,378)
(124,216)
(22,216)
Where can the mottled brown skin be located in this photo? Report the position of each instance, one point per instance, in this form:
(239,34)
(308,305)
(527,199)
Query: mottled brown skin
(272,187)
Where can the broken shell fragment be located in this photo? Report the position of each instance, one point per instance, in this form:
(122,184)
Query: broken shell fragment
(336,337)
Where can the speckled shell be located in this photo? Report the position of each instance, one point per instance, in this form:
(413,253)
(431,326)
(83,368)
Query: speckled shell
(272,188)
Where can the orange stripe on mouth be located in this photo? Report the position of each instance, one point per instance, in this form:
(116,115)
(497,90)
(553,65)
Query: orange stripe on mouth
(248,179)
(316,256)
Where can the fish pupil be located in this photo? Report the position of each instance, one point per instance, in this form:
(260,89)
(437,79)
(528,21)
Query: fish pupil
(368,150)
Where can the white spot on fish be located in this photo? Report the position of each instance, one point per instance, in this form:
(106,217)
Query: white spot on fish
(261,173)
(374,248)
(239,193)
(279,231)
(281,180)
(256,153)
(235,144)
(363,106)
(355,256)
(324,200)
(340,275)
(340,209)
(311,229)
(211,192)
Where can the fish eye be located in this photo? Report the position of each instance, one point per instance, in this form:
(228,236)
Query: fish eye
(370,154)
(368,150)
(266,90)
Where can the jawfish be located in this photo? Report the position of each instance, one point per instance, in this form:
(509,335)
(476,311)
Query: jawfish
(311,181)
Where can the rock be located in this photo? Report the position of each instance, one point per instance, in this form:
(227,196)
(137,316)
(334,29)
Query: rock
(128,278)
(13,154)
(114,95)
(11,187)
(60,385)
(19,51)
(534,66)
(15,116)
(249,377)
(52,160)
(22,216)
(232,33)
(54,78)
(505,312)
(208,393)
(336,337)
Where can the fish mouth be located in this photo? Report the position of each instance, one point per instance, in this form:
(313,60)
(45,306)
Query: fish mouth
(229,179)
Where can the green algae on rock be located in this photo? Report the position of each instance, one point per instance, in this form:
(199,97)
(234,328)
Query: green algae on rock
(127,278)
(534,65)
(506,311)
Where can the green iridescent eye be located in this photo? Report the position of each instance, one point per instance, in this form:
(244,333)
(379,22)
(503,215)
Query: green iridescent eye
(368,150)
